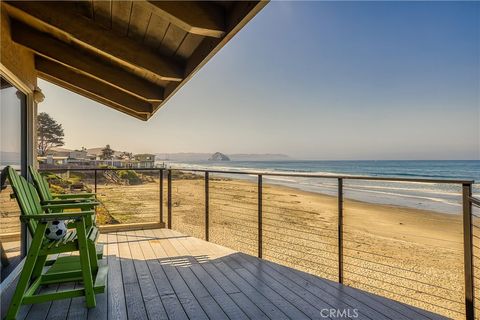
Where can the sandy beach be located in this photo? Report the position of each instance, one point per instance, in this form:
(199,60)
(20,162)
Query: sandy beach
(409,255)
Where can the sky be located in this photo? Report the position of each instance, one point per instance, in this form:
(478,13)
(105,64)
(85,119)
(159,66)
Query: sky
(315,80)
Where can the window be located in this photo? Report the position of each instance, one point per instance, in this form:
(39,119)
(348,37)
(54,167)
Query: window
(12,153)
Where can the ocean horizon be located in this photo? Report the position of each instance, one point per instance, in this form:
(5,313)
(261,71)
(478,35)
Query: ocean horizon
(445,198)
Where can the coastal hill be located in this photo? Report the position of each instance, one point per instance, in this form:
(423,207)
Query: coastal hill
(217,156)
(192,156)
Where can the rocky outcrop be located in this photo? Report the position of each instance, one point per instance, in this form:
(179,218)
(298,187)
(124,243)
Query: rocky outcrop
(217,156)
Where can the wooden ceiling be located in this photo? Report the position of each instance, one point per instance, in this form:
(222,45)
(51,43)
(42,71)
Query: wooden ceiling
(129,55)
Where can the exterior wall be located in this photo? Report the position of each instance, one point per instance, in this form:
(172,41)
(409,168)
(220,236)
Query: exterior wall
(145,160)
(78,154)
(16,59)
(18,67)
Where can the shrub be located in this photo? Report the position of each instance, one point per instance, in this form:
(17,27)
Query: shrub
(130,175)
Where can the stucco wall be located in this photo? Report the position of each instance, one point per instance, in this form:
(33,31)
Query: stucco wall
(16,59)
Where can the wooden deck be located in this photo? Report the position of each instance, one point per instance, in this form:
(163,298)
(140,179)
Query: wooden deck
(162,274)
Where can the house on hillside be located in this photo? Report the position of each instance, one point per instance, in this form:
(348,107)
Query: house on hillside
(144,160)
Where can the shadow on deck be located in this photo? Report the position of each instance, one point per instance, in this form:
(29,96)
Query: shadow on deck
(162,274)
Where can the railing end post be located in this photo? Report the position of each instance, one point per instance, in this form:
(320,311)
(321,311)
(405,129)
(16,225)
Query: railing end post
(340,230)
(169,198)
(260,216)
(468,250)
(160,182)
(207,208)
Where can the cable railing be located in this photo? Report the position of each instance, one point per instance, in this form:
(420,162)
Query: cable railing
(474,207)
(327,235)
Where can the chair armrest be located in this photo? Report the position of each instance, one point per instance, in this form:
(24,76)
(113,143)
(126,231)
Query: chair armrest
(74,195)
(58,216)
(77,205)
(67,201)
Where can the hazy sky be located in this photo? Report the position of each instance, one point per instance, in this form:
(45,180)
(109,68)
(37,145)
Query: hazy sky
(315,80)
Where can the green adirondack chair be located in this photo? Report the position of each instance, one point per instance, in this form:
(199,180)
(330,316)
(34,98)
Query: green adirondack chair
(37,270)
(47,197)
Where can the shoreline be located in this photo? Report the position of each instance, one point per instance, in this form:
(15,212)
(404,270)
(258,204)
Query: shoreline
(376,192)
(433,196)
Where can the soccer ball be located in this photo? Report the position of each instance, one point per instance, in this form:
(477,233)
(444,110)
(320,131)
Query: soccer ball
(56,230)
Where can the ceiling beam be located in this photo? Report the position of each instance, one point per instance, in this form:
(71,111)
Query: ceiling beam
(90,87)
(51,48)
(198,17)
(61,21)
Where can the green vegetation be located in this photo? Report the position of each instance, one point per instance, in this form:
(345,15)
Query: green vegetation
(49,133)
(131,176)
(107,153)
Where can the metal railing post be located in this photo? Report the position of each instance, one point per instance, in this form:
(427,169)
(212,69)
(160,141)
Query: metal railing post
(160,182)
(468,250)
(169,198)
(207,222)
(340,230)
(95,187)
(260,218)
(95,171)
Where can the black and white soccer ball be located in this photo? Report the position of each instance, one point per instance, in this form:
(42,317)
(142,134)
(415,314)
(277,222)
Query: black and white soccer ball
(56,230)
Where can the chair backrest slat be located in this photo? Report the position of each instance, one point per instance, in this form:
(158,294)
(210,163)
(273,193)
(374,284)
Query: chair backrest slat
(41,184)
(27,197)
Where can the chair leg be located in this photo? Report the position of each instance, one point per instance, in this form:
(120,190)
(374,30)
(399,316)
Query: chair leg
(85,264)
(26,273)
(37,270)
(92,253)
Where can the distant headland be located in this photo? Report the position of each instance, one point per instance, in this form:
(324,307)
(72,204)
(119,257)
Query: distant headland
(218,156)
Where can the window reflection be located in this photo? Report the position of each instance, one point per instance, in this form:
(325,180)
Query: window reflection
(12,153)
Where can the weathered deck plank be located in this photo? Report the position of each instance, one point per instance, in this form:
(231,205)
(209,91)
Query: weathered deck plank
(153,252)
(116,304)
(133,295)
(162,274)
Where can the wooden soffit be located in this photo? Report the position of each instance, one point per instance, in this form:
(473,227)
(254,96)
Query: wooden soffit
(131,56)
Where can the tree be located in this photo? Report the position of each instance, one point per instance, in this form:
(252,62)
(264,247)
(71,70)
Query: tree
(107,153)
(49,133)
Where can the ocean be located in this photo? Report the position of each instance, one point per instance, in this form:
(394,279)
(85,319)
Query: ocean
(439,197)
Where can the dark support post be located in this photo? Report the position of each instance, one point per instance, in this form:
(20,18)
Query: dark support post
(95,181)
(468,251)
(260,218)
(340,230)
(161,195)
(207,223)
(95,186)
(169,198)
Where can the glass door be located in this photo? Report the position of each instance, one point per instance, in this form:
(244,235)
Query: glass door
(12,153)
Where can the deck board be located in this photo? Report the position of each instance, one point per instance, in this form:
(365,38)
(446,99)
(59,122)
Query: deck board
(116,305)
(153,253)
(135,303)
(163,274)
